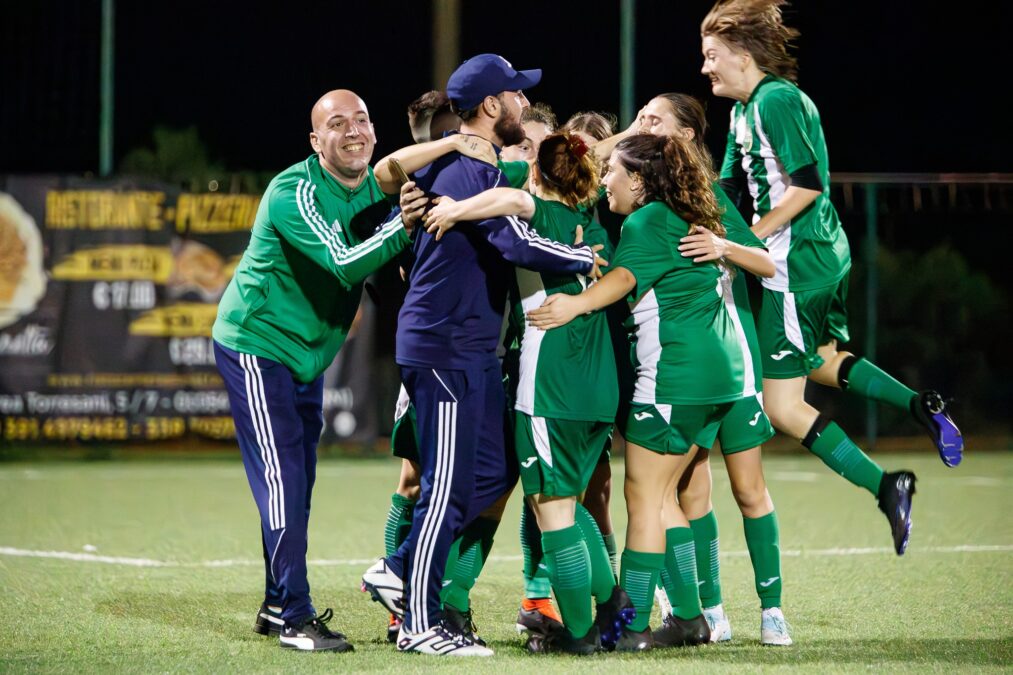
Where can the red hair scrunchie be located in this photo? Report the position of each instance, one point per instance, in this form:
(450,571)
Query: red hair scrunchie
(577,146)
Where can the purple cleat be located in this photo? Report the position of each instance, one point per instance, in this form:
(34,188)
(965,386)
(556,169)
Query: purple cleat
(931,410)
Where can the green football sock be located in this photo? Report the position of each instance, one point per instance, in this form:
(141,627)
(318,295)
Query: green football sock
(475,544)
(602,579)
(841,454)
(536,578)
(639,578)
(866,379)
(569,565)
(399,523)
(610,548)
(764,544)
(680,564)
(708,568)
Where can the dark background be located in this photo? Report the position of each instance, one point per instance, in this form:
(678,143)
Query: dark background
(901,86)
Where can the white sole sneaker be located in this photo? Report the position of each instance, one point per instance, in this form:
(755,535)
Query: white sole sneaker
(774,629)
(438,641)
(721,627)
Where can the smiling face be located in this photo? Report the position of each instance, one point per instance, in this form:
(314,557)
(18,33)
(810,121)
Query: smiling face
(342,136)
(659,119)
(534,134)
(726,69)
(621,187)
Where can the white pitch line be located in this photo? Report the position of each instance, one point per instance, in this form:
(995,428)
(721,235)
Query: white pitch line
(148,562)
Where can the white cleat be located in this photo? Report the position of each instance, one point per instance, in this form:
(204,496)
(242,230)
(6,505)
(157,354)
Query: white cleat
(440,640)
(721,628)
(385,587)
(773,628)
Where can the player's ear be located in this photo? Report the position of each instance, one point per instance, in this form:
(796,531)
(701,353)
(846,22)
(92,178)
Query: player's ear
(491,105)
(314,141)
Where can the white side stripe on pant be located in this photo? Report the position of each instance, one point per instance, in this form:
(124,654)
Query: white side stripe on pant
(264,431)
(446,444)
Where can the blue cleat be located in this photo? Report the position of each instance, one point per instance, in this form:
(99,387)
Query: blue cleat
(930,410)
(613,616)
(895,492)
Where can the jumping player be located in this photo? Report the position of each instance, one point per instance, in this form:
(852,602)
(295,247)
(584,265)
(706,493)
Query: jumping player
(777,148)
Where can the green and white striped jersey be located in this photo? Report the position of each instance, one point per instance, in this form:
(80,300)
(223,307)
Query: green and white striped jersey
(736,296)
(569,372)
(297,287)
(684,343)
(776,132)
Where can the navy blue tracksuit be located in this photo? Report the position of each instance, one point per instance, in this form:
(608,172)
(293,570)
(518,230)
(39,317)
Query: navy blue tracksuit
(448,328)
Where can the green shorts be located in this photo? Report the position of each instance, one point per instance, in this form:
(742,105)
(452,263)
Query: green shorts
(792,326)
(674,429)
(404,441)
(745,426)
(557,457)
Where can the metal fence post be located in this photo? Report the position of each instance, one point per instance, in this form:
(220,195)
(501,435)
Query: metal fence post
(871,300)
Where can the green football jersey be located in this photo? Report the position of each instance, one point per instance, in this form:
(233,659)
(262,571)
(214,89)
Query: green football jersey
(516,173)
(297,287)
(569,372)
(684,345)
(736,295)
(776,132)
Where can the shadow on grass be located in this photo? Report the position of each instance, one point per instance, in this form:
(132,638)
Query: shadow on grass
(215,612)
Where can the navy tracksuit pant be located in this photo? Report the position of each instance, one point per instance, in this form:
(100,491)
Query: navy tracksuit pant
(465,469)
(278,424)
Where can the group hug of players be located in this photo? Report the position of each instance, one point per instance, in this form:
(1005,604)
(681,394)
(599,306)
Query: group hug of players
(628,312)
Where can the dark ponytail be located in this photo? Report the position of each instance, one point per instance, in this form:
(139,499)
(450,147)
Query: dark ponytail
(568,168)
(675,173)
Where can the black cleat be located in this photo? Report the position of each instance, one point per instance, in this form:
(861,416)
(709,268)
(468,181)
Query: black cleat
(613,616)
(536,624)
(268,621)
(676,632)
(931,411)
(462,622)
(313,635)
(393,628)
(632,641)
(895,492)
(563,642)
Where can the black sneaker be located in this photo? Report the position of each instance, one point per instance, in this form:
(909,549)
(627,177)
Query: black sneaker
(563,642)
(632,641)
(268,621)
(676,632)
(613,616)
(931,410)
(463,622)
(895,492)
(313,635)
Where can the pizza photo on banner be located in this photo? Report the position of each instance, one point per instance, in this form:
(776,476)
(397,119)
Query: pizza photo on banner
(108,291)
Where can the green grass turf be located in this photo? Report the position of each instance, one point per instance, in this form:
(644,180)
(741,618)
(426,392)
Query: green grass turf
(933,609)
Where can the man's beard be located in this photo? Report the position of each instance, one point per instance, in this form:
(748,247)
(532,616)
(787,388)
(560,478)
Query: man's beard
(508,129)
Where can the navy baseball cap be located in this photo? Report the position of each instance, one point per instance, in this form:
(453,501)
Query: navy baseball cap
(487,75)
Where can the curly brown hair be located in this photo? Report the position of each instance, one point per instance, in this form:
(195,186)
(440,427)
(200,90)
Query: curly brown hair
(756,27)
(675,173)
(568,167)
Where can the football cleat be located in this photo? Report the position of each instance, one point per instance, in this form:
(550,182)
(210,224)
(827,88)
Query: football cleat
(773,628)
(463,622)
(613,616)
(895,492)
(313,635)
(633,641)
(440,640)
(717,620)
(385,587)
(563,642)
(676,632)
(931,411)
(268,621)
(393,628)
(538,617)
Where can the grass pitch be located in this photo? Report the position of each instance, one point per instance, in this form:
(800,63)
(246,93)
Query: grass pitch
(145,566)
